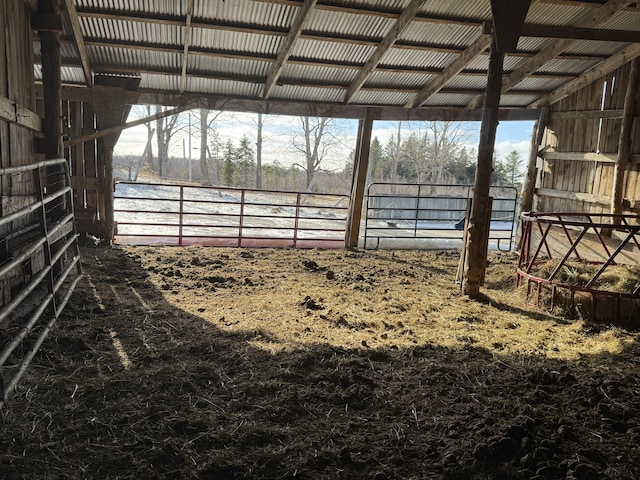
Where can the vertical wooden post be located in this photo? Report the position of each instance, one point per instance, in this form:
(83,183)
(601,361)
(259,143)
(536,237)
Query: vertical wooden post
(625,140)
(528,187)
(359,179)
(109,186)
(477,235)
(51,81)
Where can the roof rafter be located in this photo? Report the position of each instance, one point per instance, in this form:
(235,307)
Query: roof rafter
(210,53)
(603,68)
(79,40)
(422,46)
(590,19)
(578,33)
(390,38)
(285,50)
(291,82)
(534,30)
(476,48)
(187,41)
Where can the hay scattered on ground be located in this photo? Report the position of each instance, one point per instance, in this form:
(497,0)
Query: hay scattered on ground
(254,364)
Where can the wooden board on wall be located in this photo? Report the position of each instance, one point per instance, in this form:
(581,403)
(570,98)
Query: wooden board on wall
(575,138)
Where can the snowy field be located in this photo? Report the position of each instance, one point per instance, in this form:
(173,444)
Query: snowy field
(170,214)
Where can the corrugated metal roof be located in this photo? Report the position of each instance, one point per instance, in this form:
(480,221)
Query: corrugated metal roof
(321,75)
(332,51)
(249,13)
(106,56)
(312,94)
(413,81)
(418,58)
(371,97)
(223,40)
(449,35)
(233,47)
(227,66)
(347,23)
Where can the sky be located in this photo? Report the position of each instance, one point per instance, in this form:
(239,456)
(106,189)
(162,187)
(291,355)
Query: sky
(278,132)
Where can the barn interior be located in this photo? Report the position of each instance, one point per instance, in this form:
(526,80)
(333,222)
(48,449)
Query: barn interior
(71,71)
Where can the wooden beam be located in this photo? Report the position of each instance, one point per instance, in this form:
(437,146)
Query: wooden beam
(454,68)
(331,37)
(310,83)
(359,179)
(508,19)
(296,108)
(588,20)
(186,42)
(581,197)
(625,140)
(601,69)
(387,42)
(578,33)
(51,80)
(11,112)
(135,123)
(79,40)
(32,5)
(581,156)
(585,3)
(325,5)
(478,228)
(587,114)
(285,49)
(529,184)
(253,57)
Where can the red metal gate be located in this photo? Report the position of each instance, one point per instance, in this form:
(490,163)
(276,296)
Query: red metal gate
(170,214)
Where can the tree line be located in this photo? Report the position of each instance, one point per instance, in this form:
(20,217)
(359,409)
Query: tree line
(424,152)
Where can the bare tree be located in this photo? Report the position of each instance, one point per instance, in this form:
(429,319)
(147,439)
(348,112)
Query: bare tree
(446,139)
(259,152)
(165,129)
(316,141)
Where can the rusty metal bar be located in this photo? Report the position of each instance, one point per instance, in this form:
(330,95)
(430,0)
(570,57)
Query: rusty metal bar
(605,258)
(217,215)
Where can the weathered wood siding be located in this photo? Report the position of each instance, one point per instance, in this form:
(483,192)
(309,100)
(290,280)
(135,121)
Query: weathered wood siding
(582,139)
(18,121)
(86,162)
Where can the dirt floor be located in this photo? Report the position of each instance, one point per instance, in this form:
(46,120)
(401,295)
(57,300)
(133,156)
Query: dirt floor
(216,363)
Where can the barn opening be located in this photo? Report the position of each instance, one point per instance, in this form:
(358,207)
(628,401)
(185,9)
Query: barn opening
(180,359)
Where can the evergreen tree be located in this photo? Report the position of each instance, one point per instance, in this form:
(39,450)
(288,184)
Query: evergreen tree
(513,165)
(377,161)
(228,165)
(461,169)
(245,163)
(414,162)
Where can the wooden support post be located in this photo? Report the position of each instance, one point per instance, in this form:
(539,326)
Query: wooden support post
(478,239)
(52,97)
(52,83)
(111,111)
(625,140)
(529,185)
(359,179)
(109,186)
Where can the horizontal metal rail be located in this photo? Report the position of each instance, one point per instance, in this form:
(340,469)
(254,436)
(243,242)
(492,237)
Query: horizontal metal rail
(36,269)
(419,214)
(552,244)
(186,215)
